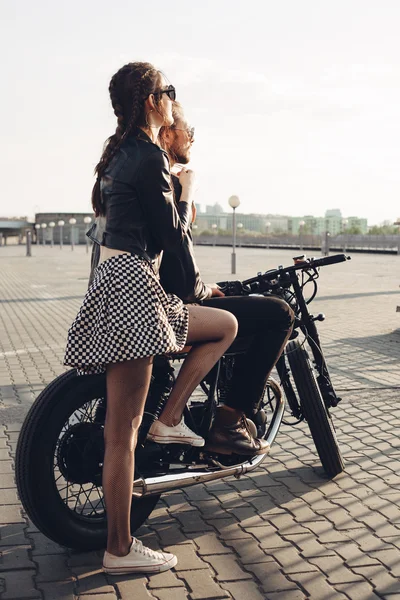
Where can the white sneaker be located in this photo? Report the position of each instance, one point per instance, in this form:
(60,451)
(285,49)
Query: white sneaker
(139,559)
(176,434)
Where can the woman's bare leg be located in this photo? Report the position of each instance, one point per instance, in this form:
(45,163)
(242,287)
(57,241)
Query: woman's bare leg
(127,386)
(211,332)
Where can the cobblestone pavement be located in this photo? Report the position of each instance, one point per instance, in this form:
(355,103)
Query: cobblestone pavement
(282,533)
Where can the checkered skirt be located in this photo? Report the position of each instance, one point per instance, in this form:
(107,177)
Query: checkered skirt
(125,314)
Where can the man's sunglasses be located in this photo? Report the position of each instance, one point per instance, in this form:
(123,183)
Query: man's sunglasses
(170,91)
(189,131)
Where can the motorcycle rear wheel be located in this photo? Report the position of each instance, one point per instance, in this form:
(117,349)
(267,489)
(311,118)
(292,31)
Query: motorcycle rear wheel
(51,447)
(313,407)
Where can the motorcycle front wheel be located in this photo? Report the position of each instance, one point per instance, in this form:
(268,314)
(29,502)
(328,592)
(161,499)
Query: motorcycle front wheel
(314,410)
(59,460)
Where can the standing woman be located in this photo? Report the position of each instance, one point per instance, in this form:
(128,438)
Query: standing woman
(126,317)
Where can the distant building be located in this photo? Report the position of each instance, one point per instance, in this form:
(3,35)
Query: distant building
(361,224)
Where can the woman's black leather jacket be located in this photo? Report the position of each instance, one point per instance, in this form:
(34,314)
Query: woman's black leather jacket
(141,215)
(178,271)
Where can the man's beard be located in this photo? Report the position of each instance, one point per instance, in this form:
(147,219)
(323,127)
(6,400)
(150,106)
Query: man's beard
(179,155)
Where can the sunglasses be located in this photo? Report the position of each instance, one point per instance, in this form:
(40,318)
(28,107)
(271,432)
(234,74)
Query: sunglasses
(170,91)
(189,131)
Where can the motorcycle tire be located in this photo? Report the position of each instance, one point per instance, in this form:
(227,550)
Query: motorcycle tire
(38,463)
(314,410)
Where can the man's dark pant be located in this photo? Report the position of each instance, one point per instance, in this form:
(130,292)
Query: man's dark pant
(267,321)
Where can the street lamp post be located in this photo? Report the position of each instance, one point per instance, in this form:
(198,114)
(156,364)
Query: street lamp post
(240,227)
(44,225)
(214,228)
(233,203)
(61,225)
(72,222)
(301,226)
(37,227)
(267,226)
(52,225)
(28,242)
(87,221)
(344,225)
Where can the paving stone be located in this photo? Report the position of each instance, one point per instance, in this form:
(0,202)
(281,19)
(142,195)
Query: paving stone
(358,590)
(52,567)
(335,570)
(43,545)
(130,587)
(228,529)
(13,535)
(325,532)
(249,551)
(175,593)
(187,557)
(202,586)
(8,497)
(316,586)
(63,590)
(309,546)
(247,516)
(209,544)
(171,534)
(382,581)
(167,579)
(286,595)
(91,581)
(83,559)
(268,537)
(15,557)
(271,577)
(247,590)
(7,481)
(19,585)
(98,597)
(290,559)
(286,525)
(11,514)
(227,568)
(192,521)
(389,558)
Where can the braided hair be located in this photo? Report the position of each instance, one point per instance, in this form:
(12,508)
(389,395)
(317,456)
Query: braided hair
(128,88)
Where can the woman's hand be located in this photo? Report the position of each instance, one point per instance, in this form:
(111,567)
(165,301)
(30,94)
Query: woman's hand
(215,291)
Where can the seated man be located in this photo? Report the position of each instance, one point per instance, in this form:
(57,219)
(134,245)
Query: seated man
(267,321)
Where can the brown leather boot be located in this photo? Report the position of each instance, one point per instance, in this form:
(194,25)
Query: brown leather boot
(230,434)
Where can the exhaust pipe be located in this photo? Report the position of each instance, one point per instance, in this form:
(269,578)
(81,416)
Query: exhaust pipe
(165,483)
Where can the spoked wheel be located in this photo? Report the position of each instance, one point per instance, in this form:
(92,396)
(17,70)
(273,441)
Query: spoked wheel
(59,461)
(313,407)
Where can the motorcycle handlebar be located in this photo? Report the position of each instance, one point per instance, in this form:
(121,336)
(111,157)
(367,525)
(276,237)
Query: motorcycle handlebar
(300,266)
(329,260)
(238,288)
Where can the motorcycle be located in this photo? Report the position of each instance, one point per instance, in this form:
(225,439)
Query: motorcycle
(60,450)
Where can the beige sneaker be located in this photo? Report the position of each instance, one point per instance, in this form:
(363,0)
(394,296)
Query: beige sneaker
(139,559)
(176,434)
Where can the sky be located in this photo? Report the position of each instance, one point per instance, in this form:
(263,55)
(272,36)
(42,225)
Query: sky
(296,103)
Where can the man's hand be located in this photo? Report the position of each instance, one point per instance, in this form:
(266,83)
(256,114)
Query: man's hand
(187,179)
(215,291)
